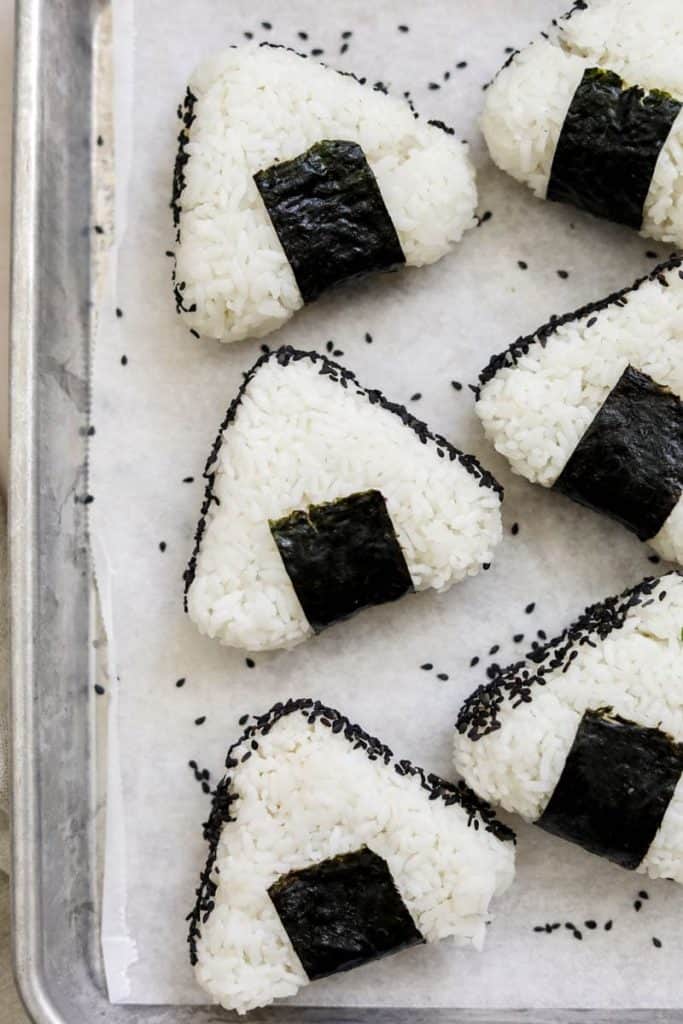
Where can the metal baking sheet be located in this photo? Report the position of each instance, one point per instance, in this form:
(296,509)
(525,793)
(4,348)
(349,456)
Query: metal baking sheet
(58,809)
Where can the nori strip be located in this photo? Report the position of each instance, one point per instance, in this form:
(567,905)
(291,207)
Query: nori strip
(608,147)
(343,912)
(342,556)
(629,463)
(329,215)
(615,787)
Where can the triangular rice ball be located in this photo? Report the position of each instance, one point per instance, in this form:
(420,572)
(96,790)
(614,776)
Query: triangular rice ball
(291,178)
(585,737)
(323,498)
(326,853)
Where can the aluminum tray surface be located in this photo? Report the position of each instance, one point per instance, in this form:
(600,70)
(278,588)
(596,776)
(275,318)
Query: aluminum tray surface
(56,810)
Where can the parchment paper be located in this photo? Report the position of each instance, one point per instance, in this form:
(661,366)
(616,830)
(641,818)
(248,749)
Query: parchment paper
(156,417)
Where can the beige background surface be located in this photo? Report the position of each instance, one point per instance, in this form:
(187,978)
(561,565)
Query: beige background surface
(10,1009)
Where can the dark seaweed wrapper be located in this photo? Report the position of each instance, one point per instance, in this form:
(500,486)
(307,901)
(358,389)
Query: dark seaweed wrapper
(629,463)
(615,787)
(608,147)
(330,217)
(343,912)
(342,556)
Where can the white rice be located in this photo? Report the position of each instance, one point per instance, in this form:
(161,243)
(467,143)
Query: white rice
(298,439)
(636,671)
(307,794)
(535,412)
(527,104)
(256,106)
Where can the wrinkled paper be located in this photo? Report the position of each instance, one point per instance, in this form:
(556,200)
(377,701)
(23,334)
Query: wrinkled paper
(156,418)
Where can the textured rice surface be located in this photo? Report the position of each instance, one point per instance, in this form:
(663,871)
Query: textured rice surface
(251,107)
(527,103)
(538,398)
(303,431)
(305,785)
(514,734)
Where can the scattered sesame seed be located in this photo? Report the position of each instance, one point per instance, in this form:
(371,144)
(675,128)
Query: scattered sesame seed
(591,924)
(442,676)
(486,215)
(99,230)
(403,28)
(249,662)
(100,140)
(486,566)
(474,661)
(461,64)
(518,637)
(346,35)
(180,682)
(514,529)
(592,322)
(494,649)
(427,667)
(124,360)
(200,720)
(655,559)
(651,254)
(188,479)
(368,338)
(456,385)
(542,635)
(643,894)
(329,346)
(248,35)
(266,25)
(206,788)
(195,334)
(343,48)
(99,690)
(657,943)
(416,397)
(169,253)
(522,264)
(119,312)
(302,35)
(317,52)
(564,274)
(162,545)
(530,607)
(608,926)
(244,719)
(637,904)
(434,85)
(338,352)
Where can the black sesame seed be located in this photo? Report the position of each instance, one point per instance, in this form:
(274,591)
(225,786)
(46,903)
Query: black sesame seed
(514,529)
(657,943)
(442,676)
(456,385)
(530,607)
(180,682)
(266,25)
(193,765)
(608,926)
(474,661)
(338,352)
(486,215)
(542,635)
(577,934)
(637,904)
(486,566)
(651,254)
(539,927)
(317,52)
(591,924)
(343,48)
(434,85)
(200,720)
(119,312)
(564,274)
(522,264)
(427,667)
(655,559)
(99,690)
(518,637)
(494,649)
(188,479)
(249,662)
(100,140)
(403,28)
(206,788)
(248,35)
(244,719)
(124,360)
(302,35)
(643,894)
(99,230)
(170,253)
(416,397)
(461,64)
(162,545)
(346,35)
(368,338)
